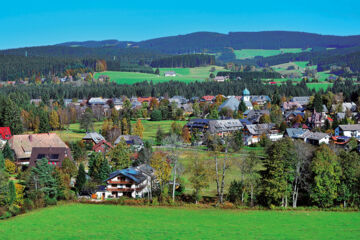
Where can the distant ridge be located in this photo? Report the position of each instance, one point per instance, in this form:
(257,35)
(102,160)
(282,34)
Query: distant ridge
(212,41)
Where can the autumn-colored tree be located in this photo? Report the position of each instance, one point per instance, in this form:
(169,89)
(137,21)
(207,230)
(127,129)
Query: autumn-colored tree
(106,127)
(162,169)
(186,136)
(154,104)
(120,156)
(139,128)
(124,127)
(54,120)
(298,119)
(72,112)
(200,176)
(10,167)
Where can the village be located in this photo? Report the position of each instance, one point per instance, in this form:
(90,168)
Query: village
(255,120)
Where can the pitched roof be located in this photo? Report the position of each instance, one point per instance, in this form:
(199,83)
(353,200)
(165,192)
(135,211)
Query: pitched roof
(258,129)
(231,103)
(135,175)
(295,132)
(94,136)
(23,144)
(129,139)
(350,127)
(225,125)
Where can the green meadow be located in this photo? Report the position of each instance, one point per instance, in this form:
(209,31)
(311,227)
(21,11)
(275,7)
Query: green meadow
(252,53)
(73,133)
(186,75)
(84,221)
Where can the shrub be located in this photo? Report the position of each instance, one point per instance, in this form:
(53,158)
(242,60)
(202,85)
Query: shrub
(10,167)
(50,201)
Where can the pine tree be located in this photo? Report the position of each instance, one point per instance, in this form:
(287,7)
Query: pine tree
(44,126)
(80,179)
(318,106)
(242,106)
(12,193)
(2,162)
(87,120)
(104,170)
(159,136)
(7,152)
(12,117)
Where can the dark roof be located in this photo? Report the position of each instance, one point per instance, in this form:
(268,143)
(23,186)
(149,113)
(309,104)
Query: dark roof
(131,173)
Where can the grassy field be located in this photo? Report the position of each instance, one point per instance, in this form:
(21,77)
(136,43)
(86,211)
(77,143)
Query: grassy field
(188,155)
(252,53)
(74,133)
(150,127)
(80,221)
(182,74)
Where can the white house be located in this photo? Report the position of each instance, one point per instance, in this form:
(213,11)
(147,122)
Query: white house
(170,74)
(129,182)
(351,130)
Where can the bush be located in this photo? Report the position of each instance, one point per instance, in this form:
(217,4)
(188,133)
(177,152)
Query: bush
(50,201)
(10,167)
(156,115)
(28,204)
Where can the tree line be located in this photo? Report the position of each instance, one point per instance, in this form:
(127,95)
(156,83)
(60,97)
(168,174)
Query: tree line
(184,61)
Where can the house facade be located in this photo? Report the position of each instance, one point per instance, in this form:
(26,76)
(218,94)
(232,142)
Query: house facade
(29,148)
(350,130)
(129,182)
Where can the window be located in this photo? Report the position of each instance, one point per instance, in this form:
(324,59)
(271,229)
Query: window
(54,156)
(40,156)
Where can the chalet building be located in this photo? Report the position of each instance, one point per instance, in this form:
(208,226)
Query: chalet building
(221,78)
(253,116)
(291,106)
(224,127)
(170,74)
(303,100)
(93,138)
(232,103)
(207,98)
(220,127)
(260,99)
(129,182)
(317,120)
(131,140)
(253,133)
(351,130)
(316,138)
(28,149)
(97,101)
(103,146)
(291,116)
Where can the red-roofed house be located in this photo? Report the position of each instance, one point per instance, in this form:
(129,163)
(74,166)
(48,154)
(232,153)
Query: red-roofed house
(5,133)
(144,99)
(207,98)
(102,146)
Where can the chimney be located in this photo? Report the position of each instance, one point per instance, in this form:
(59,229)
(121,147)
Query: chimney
(30,137)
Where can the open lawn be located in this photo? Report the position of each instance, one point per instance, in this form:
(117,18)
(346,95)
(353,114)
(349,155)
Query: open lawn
(150,127)
(74,133)
(252,53)
(187,155)
(182,74)
(84,221)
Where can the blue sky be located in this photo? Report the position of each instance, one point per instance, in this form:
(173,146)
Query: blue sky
(32,23)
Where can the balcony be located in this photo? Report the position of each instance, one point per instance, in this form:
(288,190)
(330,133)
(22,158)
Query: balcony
(123,189)
(118,182)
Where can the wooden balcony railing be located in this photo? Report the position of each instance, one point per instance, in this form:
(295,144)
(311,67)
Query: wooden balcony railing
(118,182)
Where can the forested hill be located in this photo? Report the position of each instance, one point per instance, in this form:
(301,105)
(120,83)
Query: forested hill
(200,41)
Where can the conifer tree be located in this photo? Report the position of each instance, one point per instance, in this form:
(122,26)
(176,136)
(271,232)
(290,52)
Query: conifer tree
(81,178)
